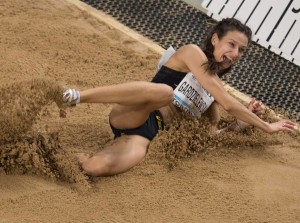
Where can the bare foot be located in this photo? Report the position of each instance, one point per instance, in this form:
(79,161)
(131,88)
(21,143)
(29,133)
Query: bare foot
(82,157)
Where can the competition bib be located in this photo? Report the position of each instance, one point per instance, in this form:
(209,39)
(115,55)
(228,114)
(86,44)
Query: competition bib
(191,97)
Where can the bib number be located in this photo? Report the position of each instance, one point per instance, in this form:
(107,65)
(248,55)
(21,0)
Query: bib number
(191,97)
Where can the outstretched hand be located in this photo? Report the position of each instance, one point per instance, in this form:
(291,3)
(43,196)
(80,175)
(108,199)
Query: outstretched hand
(259,109)
(282,125)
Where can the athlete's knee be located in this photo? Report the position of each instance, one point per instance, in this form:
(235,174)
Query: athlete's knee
(138,154)
(163,94)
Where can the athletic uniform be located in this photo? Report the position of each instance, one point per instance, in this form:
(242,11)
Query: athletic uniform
(189,96)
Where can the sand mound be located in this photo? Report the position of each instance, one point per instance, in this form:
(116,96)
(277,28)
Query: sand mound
(22,150)
(53,39)
(186,137)
(21,104)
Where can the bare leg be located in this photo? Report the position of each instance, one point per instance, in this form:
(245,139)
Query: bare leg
(118,157)
(132,93)
(133,103)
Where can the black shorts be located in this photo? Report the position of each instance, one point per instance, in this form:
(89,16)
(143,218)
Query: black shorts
(148,130)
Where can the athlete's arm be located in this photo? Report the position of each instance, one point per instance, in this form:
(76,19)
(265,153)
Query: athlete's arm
(194,58)
(255,107)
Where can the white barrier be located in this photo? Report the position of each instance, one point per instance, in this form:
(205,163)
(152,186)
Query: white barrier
(275,23)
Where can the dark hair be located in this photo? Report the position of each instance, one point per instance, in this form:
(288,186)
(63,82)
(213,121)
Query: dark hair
(221,29)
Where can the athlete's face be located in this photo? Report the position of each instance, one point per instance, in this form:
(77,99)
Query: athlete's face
(230,48)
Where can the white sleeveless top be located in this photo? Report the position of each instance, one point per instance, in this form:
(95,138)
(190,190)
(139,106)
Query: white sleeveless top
(189,95)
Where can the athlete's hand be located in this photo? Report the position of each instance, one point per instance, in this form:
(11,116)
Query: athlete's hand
(282,125)
(71,97)
(257,107)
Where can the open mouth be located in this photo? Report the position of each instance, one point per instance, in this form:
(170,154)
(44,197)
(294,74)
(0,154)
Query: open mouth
(227,60)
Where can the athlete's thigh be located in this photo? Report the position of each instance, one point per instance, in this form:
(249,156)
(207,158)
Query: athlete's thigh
(132,116)
(128,117)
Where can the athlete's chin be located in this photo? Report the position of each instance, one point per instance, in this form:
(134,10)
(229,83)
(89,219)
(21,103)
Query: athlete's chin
(226,65)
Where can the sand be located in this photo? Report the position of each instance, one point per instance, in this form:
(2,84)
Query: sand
(187,176)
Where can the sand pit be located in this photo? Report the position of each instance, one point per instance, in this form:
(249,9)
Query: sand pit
(187,176)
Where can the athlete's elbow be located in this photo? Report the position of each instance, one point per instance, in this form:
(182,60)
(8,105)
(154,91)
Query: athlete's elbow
(227,107)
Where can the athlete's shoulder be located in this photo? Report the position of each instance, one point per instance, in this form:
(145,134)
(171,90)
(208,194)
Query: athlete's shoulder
(192,50)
